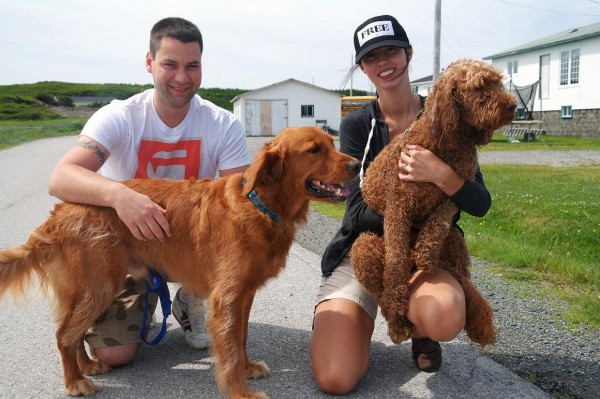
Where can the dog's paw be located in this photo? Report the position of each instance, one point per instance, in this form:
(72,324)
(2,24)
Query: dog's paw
(251,395)
(94,367)
(424,261)
(81,387)
(399,329)
(257,370)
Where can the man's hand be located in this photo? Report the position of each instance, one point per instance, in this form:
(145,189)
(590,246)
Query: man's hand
(145,219)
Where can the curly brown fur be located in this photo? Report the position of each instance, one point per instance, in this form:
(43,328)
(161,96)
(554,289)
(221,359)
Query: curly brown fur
(466,105)
(221,247)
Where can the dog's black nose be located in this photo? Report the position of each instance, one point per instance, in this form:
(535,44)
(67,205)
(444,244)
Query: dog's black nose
(512,106)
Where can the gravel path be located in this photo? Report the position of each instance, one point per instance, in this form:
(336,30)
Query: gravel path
(533,341)
(553,158)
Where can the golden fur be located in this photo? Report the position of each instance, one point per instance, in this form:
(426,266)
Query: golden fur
(222,247)
(466,105)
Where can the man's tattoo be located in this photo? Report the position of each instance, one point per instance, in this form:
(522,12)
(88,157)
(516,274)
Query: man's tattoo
(92,146)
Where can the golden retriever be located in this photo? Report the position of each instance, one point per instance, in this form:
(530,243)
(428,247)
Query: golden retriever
(229,236)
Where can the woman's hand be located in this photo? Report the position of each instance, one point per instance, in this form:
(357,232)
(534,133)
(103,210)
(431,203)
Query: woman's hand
(421,165)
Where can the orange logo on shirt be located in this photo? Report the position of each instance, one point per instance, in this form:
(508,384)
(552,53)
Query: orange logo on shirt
(179,160)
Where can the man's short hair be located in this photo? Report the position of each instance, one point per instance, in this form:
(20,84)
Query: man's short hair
(175,28)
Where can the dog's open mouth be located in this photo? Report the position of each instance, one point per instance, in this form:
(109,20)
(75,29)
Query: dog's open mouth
(331,191)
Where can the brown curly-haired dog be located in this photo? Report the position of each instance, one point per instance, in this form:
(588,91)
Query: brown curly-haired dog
(467,103)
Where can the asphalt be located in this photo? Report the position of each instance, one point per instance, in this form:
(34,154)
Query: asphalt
(279,330)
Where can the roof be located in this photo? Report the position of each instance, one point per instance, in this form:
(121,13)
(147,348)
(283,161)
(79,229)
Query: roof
(283,82)
(570,35)
(426,79)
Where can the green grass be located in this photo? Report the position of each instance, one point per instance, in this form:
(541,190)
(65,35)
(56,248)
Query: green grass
(543,229)
(544,225)
(18,132)
(21,102)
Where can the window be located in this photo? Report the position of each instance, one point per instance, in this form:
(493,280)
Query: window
(575,66)
(512,67)
(566,112)
(307,111)
(569,67)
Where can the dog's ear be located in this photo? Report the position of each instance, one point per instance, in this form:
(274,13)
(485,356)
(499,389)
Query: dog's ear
(267,169)
(444,109)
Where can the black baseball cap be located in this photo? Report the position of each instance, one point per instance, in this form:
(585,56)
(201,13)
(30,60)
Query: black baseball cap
(376,32)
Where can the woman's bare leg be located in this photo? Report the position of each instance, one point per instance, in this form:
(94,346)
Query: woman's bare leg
(340,345)
(436,306)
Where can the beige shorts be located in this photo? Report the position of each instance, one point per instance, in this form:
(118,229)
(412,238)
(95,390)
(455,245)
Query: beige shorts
(342,284)
(121,323)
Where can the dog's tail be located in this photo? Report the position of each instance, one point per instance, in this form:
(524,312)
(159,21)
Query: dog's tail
(18,265)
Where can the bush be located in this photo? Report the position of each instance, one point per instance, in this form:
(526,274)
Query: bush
(47,99)
(65,101)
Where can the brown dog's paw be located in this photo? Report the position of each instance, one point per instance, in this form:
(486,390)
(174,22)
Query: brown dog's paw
(251,395)
(399,329)
(257,370)
(479,324)
(82,387)
(425,261)
(481,330)
(94,367)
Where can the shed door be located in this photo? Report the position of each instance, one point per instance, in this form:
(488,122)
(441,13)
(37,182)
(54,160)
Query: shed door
(265,117)
(279,119)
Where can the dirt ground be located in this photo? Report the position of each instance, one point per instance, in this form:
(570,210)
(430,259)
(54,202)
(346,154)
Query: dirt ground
(74,112)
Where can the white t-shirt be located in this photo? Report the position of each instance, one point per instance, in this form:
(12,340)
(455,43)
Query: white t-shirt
(142,146)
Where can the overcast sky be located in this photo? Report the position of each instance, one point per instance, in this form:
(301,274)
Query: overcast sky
(253,43)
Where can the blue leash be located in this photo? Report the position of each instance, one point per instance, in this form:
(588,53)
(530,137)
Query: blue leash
(156,283)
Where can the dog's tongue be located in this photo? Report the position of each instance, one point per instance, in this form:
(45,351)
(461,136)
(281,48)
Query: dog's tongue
(338,190)
(335,189)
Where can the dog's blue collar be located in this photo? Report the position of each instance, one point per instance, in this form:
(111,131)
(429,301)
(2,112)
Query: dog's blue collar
(253,196)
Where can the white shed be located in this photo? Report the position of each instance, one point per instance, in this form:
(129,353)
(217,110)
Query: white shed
(268,110)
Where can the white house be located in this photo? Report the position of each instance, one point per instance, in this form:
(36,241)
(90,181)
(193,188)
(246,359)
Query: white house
(566,66)
(422,86)
(266,111)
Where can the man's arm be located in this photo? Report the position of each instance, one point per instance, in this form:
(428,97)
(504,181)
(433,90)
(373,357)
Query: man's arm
(74,179)
(227,172)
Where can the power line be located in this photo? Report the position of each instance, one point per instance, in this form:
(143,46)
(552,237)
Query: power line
(553,11)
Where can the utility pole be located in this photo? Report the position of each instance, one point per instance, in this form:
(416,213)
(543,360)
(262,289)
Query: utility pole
(436,39)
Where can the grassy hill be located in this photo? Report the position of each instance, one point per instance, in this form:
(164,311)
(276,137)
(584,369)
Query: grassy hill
(36,101)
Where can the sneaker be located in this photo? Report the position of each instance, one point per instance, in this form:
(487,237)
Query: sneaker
(191,318)
(427,354)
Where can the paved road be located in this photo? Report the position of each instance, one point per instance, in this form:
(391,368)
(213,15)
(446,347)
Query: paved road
(279,328)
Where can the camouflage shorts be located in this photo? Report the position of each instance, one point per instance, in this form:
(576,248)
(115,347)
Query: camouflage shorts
(121,323)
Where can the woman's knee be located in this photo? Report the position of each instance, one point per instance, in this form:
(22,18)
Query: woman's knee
(340,345)
(336,381)
(115,356)
(448,325)
(437,307)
